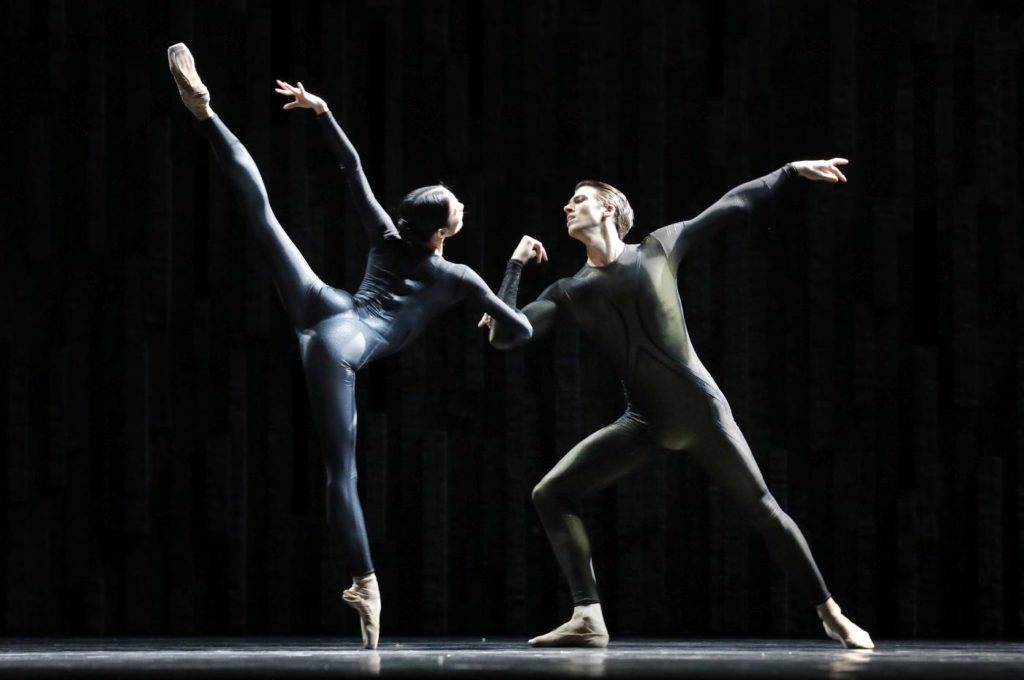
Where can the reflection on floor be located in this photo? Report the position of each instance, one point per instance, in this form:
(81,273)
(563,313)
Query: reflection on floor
(700,658)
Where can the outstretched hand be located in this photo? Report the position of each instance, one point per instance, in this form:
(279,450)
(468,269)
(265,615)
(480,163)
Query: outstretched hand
(303,99)
(821,171)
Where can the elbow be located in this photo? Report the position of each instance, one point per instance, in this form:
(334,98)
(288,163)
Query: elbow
(739,206)
(502,340)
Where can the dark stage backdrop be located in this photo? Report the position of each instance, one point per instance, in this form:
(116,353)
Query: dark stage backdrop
(161,474)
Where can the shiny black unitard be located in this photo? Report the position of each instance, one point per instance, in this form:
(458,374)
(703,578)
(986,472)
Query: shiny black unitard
(405,286)
(631,310)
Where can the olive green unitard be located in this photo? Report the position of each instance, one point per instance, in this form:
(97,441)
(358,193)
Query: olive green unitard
(631,310)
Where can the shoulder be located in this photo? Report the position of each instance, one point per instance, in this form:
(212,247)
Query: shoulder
(559,290)
(663,239)
(462,274)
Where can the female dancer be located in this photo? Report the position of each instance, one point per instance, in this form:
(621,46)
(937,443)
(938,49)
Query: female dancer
(407,283)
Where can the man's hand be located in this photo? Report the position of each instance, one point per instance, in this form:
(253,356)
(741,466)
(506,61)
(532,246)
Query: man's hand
(485,320)
(303,99)
(821,171)
(528,249)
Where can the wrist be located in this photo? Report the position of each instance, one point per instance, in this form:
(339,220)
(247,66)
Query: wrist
(519,260)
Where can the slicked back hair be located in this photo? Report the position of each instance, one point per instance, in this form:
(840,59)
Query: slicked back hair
(615,198)
(422,212)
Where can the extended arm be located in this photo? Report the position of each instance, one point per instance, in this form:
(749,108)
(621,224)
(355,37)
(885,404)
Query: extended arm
(740,202)
(376,222)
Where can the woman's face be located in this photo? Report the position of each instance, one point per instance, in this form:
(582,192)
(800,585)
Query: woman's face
(455,216)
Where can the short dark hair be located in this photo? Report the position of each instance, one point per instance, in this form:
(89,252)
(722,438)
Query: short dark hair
(615,198)
(423,211)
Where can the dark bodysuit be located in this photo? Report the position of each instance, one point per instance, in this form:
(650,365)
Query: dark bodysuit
(631,310)
(405,286)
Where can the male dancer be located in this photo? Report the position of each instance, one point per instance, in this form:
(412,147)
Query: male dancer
(626,300)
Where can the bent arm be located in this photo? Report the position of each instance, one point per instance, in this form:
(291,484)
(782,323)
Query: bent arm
(733,207)
(376,222)
(540,314)
(515,322)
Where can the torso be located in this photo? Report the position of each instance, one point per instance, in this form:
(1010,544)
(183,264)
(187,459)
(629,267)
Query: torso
(631,310)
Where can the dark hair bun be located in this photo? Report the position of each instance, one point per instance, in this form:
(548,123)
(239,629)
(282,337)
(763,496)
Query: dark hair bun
(422,212)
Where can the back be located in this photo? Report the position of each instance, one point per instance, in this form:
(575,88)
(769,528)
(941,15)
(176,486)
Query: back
(404,287)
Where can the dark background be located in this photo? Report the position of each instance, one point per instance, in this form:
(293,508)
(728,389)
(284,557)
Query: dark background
(161,475)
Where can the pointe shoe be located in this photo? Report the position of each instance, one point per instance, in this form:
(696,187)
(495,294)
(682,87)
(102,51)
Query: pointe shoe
(366,602)
(194,94)
(842,629)
(576,632)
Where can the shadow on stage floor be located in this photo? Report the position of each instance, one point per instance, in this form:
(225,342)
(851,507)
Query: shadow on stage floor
(699,658)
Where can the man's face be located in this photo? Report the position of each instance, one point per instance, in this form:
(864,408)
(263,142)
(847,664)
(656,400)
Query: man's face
(585,210)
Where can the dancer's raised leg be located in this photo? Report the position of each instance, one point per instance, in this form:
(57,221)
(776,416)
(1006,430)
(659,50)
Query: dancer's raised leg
(295,281)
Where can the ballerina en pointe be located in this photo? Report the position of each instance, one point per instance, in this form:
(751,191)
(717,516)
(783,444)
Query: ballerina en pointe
(842,629)
(585,629)
(194,94)
(364,597)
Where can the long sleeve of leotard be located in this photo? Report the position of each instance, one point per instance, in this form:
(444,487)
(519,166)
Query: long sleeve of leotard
(731,208)
(541,313)
(376,222)
(477,292)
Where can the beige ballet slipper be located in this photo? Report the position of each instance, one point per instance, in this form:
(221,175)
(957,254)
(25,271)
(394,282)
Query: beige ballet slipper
(842,629)
(364,597)
(585,629)
(194,94)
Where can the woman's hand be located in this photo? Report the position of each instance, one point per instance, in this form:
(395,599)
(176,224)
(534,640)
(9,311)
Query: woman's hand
(528,249)
(303,99)
(822,171)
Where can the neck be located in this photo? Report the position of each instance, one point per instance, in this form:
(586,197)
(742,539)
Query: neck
(603,246)
(437,244)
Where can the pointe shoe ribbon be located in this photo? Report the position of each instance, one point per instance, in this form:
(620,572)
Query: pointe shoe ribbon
(367,605)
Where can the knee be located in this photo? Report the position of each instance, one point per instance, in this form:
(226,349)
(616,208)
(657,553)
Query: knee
(543,494)
(549,495)
(765,513)
(342,481)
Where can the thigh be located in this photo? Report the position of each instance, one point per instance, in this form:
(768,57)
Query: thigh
(602,459)
(331,385)
(726,457)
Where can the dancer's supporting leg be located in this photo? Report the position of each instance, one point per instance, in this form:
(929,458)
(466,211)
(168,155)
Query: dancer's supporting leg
(299,289)
(595,463)
(728,461)
(333,401)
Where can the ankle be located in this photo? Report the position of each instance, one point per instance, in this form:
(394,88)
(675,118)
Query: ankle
(588,611)
(828,608)
(368,582)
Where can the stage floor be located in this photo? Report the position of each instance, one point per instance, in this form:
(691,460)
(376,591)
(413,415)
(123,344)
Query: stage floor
(471,657)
